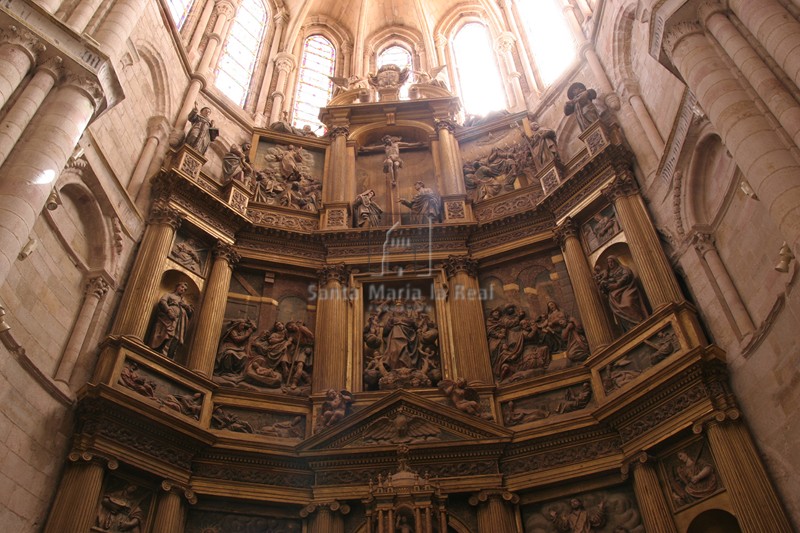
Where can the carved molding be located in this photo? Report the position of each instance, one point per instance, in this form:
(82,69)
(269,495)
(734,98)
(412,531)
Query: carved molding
(339,273)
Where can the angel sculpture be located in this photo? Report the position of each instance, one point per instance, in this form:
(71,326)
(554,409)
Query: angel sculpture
(335,407)
(389,77)
(463,397)
(430,77)
(401,430)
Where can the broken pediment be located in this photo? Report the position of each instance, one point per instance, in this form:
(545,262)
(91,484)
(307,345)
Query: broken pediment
(405,418)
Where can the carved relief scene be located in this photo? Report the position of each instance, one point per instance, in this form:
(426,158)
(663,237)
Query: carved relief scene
(124,507)
(532,325)
(258,422)
(654,349)
(549,404)
(190,252)
(267,341)
(600,228)
(691,475)
(286,175)
(164,392)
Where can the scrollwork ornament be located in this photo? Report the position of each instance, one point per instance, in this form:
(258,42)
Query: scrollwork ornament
(339,273)
(567,229)
(460,263)
(227,252)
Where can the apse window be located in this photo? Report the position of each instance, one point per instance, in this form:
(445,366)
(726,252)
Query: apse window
(478,76)
(235,69)
(549,36)
(314,87)
(179,10)
(397,55)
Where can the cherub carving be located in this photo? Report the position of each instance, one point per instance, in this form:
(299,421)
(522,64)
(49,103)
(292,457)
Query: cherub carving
(463,397)
(335,407)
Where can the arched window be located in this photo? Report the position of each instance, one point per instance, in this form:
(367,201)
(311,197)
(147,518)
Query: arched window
(314,88)
(550,38)
(479,78)
(179,9)
(397,55)
(235,68)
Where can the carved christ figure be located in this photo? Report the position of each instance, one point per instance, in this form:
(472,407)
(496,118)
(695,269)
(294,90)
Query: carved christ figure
(391,147)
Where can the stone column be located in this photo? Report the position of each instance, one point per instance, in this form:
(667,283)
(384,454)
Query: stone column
(200,30)
(495,511)
(280,18)
(768,87)
(96,288)
(82,14)
(503,44)
(755,503)
(452,180)
(656,514)
(157,130)
(330,359)
(141,290)
(75,504)
(654,269)
(212,312)
(593,314)
(334,188)
(285,63)
(775,28)
(18,51)
(752,141)
(27,104)
(326,517)
(29,172)
(631,88)
(511,16)
(704,244)
(117,26)
(170,509)
(469,326)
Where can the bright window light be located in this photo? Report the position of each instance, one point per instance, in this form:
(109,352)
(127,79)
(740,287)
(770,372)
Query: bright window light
(179,9)
(479,77)
(314,87)
(550,38)
(235,68)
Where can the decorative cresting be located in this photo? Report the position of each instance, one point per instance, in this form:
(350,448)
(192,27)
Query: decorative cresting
(330,364)
(656,514)
(495,509)
(593,314)
(325,517)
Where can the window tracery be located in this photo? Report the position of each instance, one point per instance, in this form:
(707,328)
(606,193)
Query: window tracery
(235,67)
(314,86)
(179,10)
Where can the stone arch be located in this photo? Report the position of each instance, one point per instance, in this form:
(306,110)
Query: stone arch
(711,175)
(332,30)
(159,78)
(714,521)
(408,38)
(621,41)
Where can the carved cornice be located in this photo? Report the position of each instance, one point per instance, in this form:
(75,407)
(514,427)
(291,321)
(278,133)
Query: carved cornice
(460,263)
(339,273)
(567,229)
(677,33)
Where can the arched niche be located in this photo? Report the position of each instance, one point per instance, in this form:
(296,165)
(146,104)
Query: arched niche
(622,253)
(712,175)
(170,280)
(714,521)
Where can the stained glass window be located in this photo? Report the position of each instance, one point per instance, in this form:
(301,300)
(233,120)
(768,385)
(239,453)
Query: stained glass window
(479,78)
(550,38)
(179,9)
(397,55)
(235,68)
(314,88)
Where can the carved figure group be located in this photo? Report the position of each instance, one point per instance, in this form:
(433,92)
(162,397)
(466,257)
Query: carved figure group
(620,285)
(581,104)
(544,147)
(579,519)
(366,212)
(121,511)
(286,180)
(498,171)
(425,205)
(202,132)
(187,254)
(280,358)
(236,165)
(171,321)
(401,347)
(285,126)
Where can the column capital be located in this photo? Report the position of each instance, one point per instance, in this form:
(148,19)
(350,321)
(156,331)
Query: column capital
(460,263)
(76,456)
(708,8)
(337,131)
(631,463)
(226,251)
(281,17)
(86,85)
(158,127)
(224,8)
(347,47)
(285,62)
(677,33)
(53,66)
(486,494)
(703,242)
(504,41)
(97,286)
(623,185)
(339,273)
(332,506)
(716,418)
(24,40)
(161,214)
(180,489)
(447,124)
(568,228)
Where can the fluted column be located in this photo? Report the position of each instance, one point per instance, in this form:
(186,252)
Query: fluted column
(96,289)
(75,504)
(593,315)
(326,517)
(18,51)
(157,130)
(142,287)
(654,269)
(752,141)
(755,503)
(768,87)
(495,511)
(334,189)
(656,514)
(170,509)
(704,244)
(27,104)
(117,26)
(469,327)
(27,177)
(775,28)
(285,63)
(503,44)
(451,169)
(330,360)
(212,312)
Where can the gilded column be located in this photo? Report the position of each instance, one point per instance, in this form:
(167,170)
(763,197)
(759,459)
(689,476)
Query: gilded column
(768,87)
(212,312)
(27,104)
(285,63)
(775,28)
(755,503)
(654,270)
(325,517)
(75,504)
(593,314)
(756,148)
(448,156)
(18,53)
(495,511)
(96,288)
(330,361)
(704,244)
(157,130)
(469,327)
(334,188)
(142,287)
(656,514)
(170,509)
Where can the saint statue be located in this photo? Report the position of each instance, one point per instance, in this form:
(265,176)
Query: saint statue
(580,103)
(425,205)
(366,213)
(202,132)
(171,321)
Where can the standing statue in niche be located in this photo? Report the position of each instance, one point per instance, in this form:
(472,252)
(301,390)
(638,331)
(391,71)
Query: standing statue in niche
(202,133)
(120,511)
(236,165)
(544,147)
(425,205)
(171,321)
(366,212)
(619,283)
(581,104)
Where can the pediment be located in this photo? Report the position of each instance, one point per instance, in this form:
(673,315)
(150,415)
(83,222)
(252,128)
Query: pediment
(404,418)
